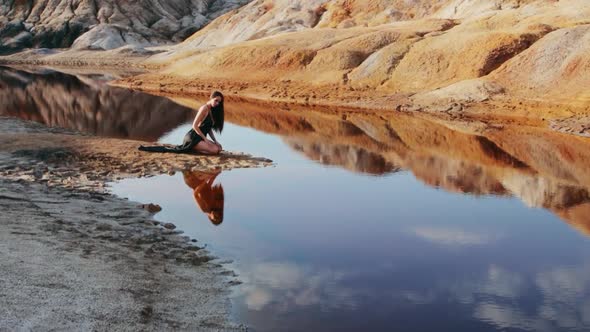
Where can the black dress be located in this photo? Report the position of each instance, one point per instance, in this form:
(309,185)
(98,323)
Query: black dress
(191,139)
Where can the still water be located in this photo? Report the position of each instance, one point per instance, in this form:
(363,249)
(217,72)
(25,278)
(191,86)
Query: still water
(323,248)
(374,222)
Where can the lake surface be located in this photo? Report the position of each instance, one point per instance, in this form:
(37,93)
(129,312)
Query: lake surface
(367,222)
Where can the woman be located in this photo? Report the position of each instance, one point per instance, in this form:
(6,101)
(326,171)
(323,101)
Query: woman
(209,197)
(209,117)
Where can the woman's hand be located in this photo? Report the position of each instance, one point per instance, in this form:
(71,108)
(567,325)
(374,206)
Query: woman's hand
(216,143)
(212,142)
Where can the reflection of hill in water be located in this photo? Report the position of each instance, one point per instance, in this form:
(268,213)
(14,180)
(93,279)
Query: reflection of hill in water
(349,157)
(542,168)
(86,105)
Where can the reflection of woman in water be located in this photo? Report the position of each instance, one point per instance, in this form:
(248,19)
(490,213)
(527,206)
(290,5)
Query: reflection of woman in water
(209,197)
(209,117)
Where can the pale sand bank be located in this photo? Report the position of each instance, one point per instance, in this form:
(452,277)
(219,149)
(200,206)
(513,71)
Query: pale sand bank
(77,258)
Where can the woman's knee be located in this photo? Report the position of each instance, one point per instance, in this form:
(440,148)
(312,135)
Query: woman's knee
(210,148)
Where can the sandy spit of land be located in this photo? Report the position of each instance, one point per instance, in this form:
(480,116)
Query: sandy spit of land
(75,257)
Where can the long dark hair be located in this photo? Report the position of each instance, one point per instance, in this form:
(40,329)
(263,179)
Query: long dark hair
(209,197)
(218,112)
(211,200)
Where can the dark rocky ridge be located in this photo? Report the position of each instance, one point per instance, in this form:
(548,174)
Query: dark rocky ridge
(103,24)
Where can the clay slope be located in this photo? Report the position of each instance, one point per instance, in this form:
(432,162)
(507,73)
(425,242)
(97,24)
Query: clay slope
(103,24)
(313,55)
(552,65)
(263,18)
(449,51)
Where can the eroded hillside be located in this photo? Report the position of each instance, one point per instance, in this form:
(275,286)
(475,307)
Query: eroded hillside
(369,54)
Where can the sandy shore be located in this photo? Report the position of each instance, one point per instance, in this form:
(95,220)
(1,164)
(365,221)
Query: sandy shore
(78,258)
(59,157)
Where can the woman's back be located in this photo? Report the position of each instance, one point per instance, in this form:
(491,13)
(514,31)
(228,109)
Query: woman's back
(206,124)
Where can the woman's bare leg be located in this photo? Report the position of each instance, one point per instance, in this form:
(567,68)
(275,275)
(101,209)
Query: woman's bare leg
(207,148)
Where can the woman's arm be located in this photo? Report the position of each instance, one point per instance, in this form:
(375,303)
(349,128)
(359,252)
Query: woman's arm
(215,139)
(198,120)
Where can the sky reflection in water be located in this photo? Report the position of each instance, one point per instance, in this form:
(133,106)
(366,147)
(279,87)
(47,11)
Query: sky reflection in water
(323,248)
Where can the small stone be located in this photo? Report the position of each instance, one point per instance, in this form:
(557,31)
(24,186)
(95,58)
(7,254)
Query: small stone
(147,312)
(151,208)
(169,225)
(104,227)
